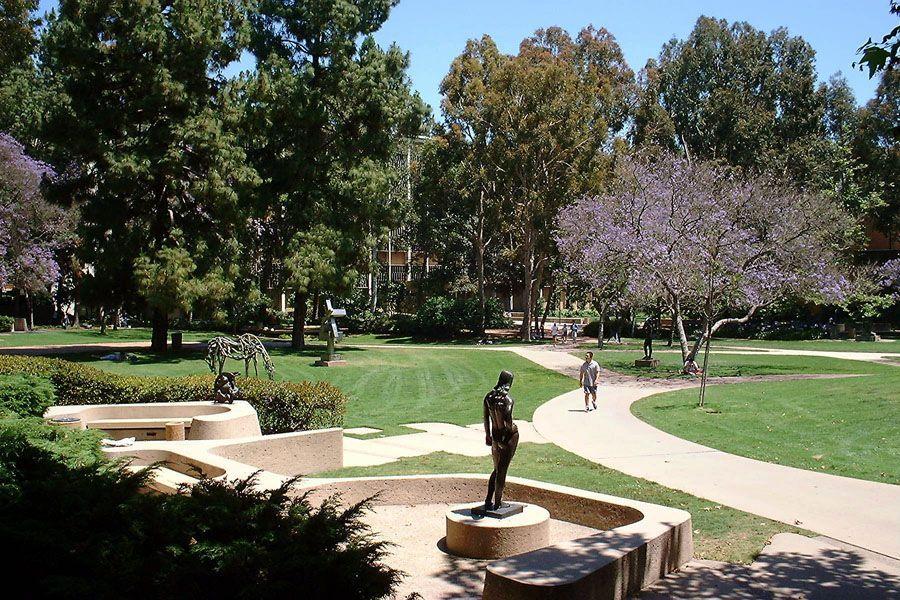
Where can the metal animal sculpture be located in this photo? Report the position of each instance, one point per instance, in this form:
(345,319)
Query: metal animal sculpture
(246,347)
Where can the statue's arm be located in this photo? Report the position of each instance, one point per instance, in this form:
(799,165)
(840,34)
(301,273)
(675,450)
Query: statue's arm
(487,423)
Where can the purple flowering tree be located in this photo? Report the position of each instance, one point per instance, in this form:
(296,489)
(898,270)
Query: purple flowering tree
(705,240)
(31,228)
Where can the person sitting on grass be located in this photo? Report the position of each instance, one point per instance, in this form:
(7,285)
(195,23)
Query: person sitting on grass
(587,379)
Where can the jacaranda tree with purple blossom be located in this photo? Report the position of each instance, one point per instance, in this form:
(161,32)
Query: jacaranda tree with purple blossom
(707,240)
(31,228)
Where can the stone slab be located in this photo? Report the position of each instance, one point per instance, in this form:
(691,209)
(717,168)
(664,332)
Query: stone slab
(361,430)
(651,363)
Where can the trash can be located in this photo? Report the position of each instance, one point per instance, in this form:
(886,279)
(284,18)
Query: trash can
(176,340)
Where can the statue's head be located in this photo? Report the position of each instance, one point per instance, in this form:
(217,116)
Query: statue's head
(505,380)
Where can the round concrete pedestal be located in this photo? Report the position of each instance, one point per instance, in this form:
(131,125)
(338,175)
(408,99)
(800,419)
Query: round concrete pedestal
(487,537)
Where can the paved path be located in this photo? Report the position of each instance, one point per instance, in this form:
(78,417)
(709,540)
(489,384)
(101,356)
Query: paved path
(855,511)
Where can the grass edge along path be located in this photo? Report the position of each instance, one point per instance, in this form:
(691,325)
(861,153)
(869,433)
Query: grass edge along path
(848,427)
(720,532)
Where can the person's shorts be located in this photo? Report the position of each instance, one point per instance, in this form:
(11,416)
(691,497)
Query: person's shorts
(590,389)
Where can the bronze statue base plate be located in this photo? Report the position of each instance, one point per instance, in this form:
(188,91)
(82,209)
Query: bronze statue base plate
(646,362)
(507,509)
(334,361)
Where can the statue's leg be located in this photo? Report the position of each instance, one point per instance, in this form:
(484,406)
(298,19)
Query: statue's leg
(650,348)
(508,450)
(246,367)
(255,367)
(495,455)
(488,502)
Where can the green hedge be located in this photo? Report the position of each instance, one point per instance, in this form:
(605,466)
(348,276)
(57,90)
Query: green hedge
(281,406)
(26,395)
(6,323)
(76,526)
(445,317)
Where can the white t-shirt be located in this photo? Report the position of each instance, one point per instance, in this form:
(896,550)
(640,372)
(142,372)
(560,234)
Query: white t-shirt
(590,371)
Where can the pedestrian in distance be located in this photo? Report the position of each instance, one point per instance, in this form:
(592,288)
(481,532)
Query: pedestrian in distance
(587,379)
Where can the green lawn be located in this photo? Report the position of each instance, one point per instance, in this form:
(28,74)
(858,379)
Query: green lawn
(636,344)
(392,386)
(56,336)
(720,532)
(826,345)
(366,339)
(726,365)
(847,427)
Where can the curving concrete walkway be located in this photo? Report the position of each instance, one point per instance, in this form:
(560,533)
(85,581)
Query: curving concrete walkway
(855,511)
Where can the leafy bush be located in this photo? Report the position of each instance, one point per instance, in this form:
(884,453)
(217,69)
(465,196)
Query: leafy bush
(26,395)
(6,323)
(70,446)
(592,329)
(441,316)
(369,321)
(282,406)
(84,531)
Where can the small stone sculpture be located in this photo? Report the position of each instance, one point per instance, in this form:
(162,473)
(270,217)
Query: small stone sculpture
(502,435)
(330,334)
(246,347)
(225,388)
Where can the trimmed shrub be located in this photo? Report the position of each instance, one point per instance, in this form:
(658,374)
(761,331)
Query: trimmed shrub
(85,531)
(591,329)
(441,316)
(26,395)
(6,323)
(369,321)
(282,406)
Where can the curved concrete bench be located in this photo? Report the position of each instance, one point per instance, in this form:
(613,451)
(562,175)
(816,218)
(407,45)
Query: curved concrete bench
(202,420)
(638,543)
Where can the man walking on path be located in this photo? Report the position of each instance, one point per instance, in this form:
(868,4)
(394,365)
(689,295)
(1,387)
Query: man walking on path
(587,379)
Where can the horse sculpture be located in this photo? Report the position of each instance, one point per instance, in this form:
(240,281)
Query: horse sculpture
(246,348)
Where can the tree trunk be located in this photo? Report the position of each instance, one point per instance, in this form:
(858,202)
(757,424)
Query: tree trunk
(479,266)
(682,336)
(671,332)
(703,376)
(298,338)
(602,327)
(29,304)
(527,295)
(316,303)
(101,314)
(547,306)
(159,337)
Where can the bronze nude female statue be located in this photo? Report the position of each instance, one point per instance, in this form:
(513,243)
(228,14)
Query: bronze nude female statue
(501,434)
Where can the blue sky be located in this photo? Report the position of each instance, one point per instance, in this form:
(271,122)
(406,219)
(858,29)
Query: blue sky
(435,31)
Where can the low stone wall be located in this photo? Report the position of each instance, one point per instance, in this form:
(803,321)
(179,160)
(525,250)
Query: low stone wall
(639,542)
(203,420)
